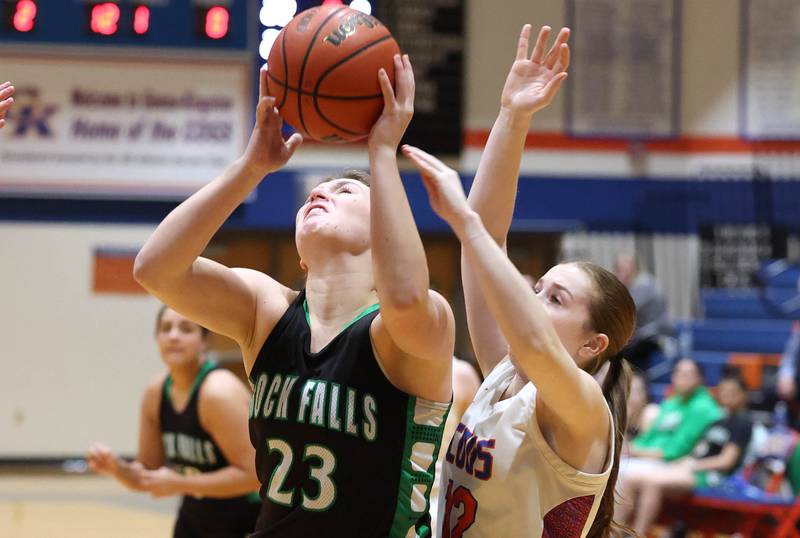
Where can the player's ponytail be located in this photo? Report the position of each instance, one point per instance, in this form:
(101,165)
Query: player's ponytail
(613,313)
(616,387)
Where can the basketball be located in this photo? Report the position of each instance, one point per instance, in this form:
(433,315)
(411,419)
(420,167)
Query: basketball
(323,72)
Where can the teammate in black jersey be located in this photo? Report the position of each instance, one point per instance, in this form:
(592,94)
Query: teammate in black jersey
(192,439)
(349,397)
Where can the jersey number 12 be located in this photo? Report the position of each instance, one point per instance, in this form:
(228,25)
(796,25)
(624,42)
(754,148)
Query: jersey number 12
(460,496)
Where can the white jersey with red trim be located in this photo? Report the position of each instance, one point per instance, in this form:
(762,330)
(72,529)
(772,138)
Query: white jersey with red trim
(502,479)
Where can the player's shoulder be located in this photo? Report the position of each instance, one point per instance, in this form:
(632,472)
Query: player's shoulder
(152,392)
(155,384)
(265,284)
(219,397)
(273,298)
(220,383)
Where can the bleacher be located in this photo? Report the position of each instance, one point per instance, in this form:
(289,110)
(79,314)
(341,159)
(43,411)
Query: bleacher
(748,329)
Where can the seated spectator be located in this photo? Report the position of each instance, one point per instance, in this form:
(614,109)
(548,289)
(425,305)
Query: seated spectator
(641,411)
(718,453)
(652,321)
(682,418)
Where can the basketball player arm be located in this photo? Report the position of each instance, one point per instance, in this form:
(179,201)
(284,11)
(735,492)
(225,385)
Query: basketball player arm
(571,393)
(169,264)
(530,86)
(223,410)
(418,320)
(6,100)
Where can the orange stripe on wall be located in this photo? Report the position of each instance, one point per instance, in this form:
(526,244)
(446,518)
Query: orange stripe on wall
(113,273)
(477,139)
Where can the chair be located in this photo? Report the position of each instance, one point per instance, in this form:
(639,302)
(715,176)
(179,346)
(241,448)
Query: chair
(711,512)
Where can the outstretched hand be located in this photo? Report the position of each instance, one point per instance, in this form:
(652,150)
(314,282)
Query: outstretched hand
(161,482)
(445,192)
(6,100)
(534,80)
(267,151)
(101,460)
(398,104)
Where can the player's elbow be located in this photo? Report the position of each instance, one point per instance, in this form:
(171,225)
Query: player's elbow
(144,269)
(147,270)
(409,300)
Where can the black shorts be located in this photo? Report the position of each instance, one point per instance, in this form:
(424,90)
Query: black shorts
(216,518)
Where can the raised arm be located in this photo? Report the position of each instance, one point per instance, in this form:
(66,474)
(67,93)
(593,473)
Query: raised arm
(530,86)
(6,100)
(569,392)
(419,321)
(170,267)
(223,408)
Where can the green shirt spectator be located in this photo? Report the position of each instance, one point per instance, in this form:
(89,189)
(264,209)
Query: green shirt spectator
(682,418)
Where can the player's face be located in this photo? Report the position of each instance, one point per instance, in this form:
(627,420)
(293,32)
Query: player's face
(685,377)
(180,341)
(337,209)
(565,291)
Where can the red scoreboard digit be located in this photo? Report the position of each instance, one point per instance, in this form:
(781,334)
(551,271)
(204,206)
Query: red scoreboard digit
(24,17)
(141,20)
(121,20)
(104,18)
(217,20)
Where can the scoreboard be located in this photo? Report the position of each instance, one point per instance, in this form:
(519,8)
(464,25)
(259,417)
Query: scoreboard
(150,98)
(432,33)
(204,24)
(142,99)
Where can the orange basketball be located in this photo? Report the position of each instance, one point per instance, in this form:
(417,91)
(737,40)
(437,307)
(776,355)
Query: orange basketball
(323,72)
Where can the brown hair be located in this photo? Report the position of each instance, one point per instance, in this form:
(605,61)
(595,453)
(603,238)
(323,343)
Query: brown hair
(613,313)
(203,331)
(362,176)
(734,375)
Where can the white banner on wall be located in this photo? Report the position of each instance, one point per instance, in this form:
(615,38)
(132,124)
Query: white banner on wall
(624,68)
(771,69)
(128,127)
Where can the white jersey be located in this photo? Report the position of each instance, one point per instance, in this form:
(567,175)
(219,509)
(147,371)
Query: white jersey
(502,479)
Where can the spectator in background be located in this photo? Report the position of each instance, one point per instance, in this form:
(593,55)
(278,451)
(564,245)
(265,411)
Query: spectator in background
(682,419)
(6,100)
(718,454)
(641,412)
(652,320)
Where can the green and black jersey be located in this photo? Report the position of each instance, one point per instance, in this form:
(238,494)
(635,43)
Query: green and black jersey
(339,450)
(189,449)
